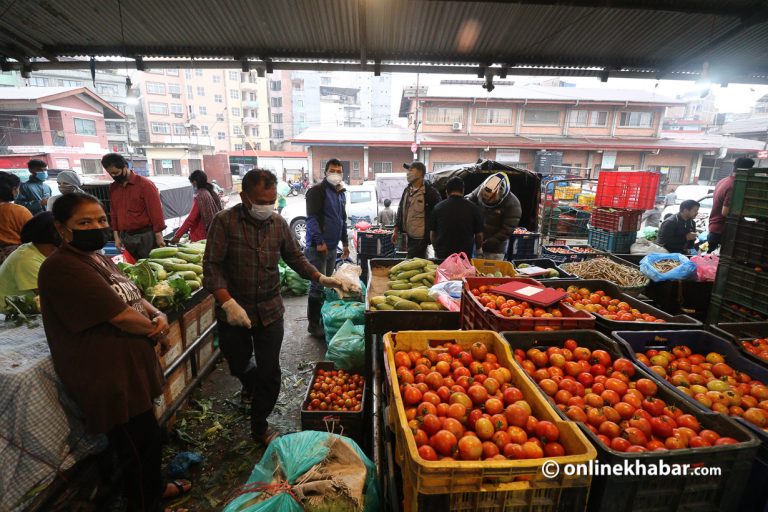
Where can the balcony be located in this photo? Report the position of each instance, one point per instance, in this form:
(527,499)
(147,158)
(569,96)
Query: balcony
(249,86)
(250,121)
(251,103)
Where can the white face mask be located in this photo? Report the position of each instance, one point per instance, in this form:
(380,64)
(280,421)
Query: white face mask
(261,212)
(412,176)
(334,178)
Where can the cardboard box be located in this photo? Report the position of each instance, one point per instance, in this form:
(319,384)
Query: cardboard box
(176,342)
(159,406)
(190,325)
(177,382)
(207,313)
(205,350)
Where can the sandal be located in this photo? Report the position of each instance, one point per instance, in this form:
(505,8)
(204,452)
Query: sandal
(181,487)
(269,435)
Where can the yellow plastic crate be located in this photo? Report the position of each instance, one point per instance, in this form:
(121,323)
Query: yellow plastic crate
(506,268)
(567,193)
(586,199)
(495,480)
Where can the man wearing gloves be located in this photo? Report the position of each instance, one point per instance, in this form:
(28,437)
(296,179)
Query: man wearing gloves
(35,193)
(414,211)
(501,213)
(326,227)
(244,246)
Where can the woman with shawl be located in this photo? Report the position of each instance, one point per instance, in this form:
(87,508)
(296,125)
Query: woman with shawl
(205,206)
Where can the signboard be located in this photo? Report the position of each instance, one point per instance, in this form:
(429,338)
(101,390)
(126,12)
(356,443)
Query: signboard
(167,164)
(414,147)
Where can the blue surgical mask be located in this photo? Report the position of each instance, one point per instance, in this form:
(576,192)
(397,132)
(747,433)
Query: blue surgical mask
(42,176)
(261,212)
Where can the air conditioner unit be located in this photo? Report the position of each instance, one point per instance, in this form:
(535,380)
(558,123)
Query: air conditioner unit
(456,127)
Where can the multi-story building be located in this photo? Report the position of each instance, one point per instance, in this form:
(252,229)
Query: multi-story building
(65,126)
(581,130)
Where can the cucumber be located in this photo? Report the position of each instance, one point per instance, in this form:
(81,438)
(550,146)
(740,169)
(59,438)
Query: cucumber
(378,300)
(197,269)
(384,307)
(427,283)
(406,265)
(185,274)
(420,277)
(189,258)
(402,276)
(392,299)
(163,252)
(405,305)
(430,306)
(192,248)
(400,286)
(193,284)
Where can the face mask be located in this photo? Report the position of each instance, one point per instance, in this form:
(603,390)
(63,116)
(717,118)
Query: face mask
(42,176)
(89,240)
(413,176)
(66,189)
(334,178)
(261,212)
(120,178)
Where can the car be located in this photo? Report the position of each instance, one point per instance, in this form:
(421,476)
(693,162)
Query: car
(702,219)
(362,204)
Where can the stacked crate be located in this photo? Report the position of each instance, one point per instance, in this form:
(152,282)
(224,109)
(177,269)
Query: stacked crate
(741,287)
(621,199)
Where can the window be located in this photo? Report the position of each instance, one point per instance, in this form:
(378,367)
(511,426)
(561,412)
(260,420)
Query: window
(161,128)
(174,89)
(190,92)
(442,115)
(609,160)
(38,81)
(158,108)
(302,118)
(254,131)
(235,111)
(275,85)
(204,129)
(383,166)
(501,116)
(674,174)
(155,88)
(325,80)
(201,91)
(276,102)
(203,110)
(116,146)
(277,118)
(588,118)
(199,72)
(29,123)
(70,83)
(179,129)
(219,118)
(167,167)
(234,94)
(535,116)
(216,79)
(236,130)
(191,111)
(297,85)
(177,108)
(221,135)
(277,134)
(238,147)
(85,126)
(508,155)
(115,128)
(437,166)
(172,72)
(218,98)
(300,103)
(188,74)
(107,89)
(234,75)
(362,196)
(355,169)
(636,119)
(91,165)
(62,163)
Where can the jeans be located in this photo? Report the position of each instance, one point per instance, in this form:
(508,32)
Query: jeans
(325,264)
(260,375)
(138,449)
(417,247)
(713,240)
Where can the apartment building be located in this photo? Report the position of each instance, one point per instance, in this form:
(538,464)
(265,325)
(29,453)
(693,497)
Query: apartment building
(582,131)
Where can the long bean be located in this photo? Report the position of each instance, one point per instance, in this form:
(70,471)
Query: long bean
(607,269)
(665,266)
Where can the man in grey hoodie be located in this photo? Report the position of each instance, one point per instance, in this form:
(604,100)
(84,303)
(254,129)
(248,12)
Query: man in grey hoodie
(501,212)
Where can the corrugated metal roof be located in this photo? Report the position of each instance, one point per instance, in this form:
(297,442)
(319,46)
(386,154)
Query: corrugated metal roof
(654,36)
(533,93)
(32,93)
(755,124)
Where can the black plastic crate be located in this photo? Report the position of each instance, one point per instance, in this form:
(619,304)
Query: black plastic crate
(745,240)
(346,423)
(611,289)
(652,493)
(615,242)
(375,244)
(703,342)
(587,252)
(736,332)
(742,284)
(721,310)
(524,245)
(750,193)
(547,252)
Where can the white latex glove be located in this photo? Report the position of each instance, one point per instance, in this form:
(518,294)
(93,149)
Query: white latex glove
(332,282)
(236,315)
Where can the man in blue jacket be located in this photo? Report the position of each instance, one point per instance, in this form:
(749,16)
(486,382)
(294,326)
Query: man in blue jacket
(326,227)
(34,194)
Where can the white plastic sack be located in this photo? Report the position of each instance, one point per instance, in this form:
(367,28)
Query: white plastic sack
(643,246)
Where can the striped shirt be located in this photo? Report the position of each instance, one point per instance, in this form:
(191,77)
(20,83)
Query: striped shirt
(242,255)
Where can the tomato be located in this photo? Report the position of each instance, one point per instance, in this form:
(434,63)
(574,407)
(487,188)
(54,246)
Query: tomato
(470,448)
(554,450)
(654,406)
(643,424)
(478,394)
(646,386)
(547,431)
(457,411)
(635,436)
(427,452)
(532,450)
(675,443)
(662,426)
(484,429)
(624,366)
(516,415)
(625,410)
(501,438)
(689,421)
(617,443)
(411,396)
(494,406)
(421,438)
(673,412)
(444,443)
(431,424)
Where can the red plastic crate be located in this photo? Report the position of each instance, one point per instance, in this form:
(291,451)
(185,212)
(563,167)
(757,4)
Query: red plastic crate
(616,220)
(475,316)
(634,190)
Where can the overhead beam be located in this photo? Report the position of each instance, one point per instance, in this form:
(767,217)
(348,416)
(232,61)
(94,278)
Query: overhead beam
(684,6)
(22,40)
(362,32)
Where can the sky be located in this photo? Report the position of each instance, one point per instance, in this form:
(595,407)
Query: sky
(735,98)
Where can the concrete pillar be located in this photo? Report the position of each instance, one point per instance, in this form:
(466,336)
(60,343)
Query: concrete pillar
(642,161)
(365,162)
(425,157)
(614,122)
(696,160)
(45,127)
(310,166)
(518,120)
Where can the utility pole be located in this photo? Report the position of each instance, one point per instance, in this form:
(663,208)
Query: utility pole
(416,122)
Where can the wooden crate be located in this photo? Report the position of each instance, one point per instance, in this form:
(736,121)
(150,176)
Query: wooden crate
(176,341)
(190,325)
(207,313)
(177,382)
(205,350)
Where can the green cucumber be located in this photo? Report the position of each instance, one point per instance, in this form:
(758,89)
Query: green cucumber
(163,252)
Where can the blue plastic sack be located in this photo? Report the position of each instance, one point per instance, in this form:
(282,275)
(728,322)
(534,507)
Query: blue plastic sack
(336,312)
(292,456)
(686,269)
(347,348)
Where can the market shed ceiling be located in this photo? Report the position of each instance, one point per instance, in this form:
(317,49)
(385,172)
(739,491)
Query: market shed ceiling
(722,41)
